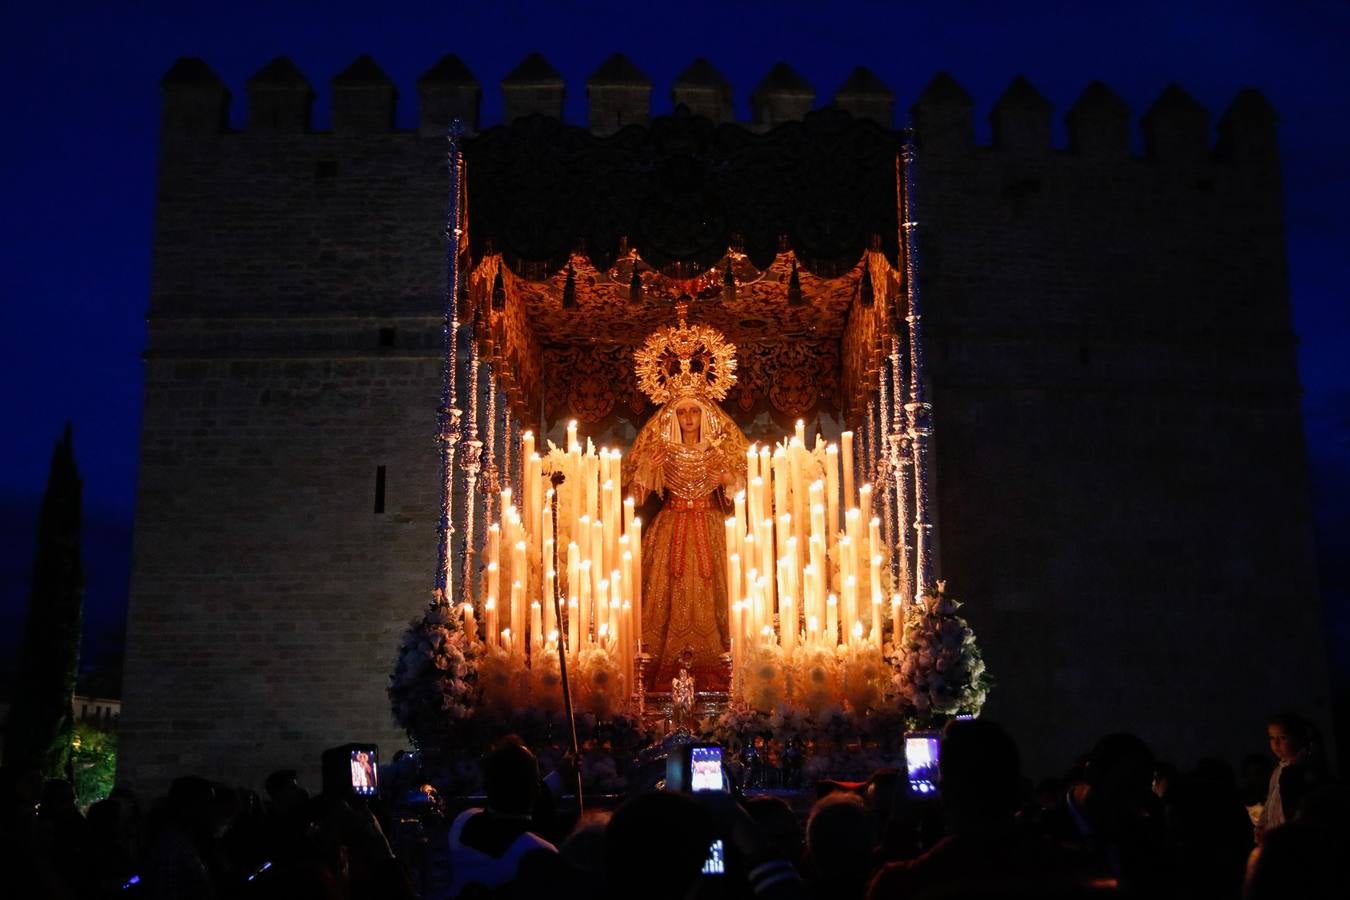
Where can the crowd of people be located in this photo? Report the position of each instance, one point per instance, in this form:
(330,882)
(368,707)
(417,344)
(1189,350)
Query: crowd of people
(1120,823)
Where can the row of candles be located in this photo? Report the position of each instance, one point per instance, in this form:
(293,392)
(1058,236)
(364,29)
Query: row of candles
(799,545)
(598,538)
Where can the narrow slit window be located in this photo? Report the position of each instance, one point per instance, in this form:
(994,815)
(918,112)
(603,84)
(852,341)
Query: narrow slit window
(379,489)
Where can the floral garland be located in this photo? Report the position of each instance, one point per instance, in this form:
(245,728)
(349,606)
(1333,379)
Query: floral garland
(939,671)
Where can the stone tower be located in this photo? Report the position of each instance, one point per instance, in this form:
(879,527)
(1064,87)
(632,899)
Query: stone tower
(1122,498)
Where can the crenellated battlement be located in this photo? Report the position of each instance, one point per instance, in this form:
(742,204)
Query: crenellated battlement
(1111,358)
(1175,127)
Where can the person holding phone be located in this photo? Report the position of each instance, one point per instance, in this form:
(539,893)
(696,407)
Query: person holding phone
(980,774)
(657,843)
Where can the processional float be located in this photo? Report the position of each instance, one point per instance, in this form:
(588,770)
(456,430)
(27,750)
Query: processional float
(830,545)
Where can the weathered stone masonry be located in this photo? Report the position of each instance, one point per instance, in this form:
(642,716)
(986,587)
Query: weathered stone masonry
(1120,466)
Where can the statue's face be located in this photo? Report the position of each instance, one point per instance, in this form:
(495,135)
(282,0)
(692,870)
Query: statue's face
(690,418)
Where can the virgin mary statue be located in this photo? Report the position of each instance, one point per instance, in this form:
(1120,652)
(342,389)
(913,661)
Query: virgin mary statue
(691,455)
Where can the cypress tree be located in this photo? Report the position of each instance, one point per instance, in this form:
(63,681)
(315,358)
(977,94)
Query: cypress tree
(41,717)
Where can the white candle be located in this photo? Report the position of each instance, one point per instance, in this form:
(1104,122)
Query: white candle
(766,563)
(897,620)
(877,601)
(520,570)
(756,501)
(611,532)
(582,536)
(546,516)
(781,479)
(810,609)
(846,451)
(832,620)
(490,620)
(598,549)
(470,623)
(573,624)
(801,506)
(572,436)
(865,502)
(735,590)
(831,504)
(587,616)
(536,626)
(739,504)
(635,547)
(800,436)
(590,481)
(816,499)
(851,603)
(550,614)
(494,585)
(750,563)
(626,623)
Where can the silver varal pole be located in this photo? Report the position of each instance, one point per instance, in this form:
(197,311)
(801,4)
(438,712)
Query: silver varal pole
(885,468)
(473,459)
(901,470)
(919,409)
(449,413)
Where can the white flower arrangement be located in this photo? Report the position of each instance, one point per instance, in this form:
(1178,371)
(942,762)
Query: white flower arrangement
(863,676)
(435,679)
(763,677)
(500,676)
(546,682)
(600,682)
(815,678)
(939,670)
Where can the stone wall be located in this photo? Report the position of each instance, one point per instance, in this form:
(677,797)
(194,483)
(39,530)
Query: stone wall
(1122,495)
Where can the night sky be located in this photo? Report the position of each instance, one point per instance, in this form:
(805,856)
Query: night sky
(79,159)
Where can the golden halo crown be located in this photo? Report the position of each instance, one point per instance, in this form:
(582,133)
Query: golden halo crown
(685,361)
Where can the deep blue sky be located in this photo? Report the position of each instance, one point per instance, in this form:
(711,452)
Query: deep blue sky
(78,164)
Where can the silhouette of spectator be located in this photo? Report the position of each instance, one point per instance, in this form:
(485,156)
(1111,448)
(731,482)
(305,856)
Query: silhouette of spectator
(840,838)
(574,871)
(655,846)
(1210,831)
(1118,817)
(178,867)
(488,845)
(779,824)
(111,850)
(285,792)
(25,873)
(983,854)
(1300,859)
